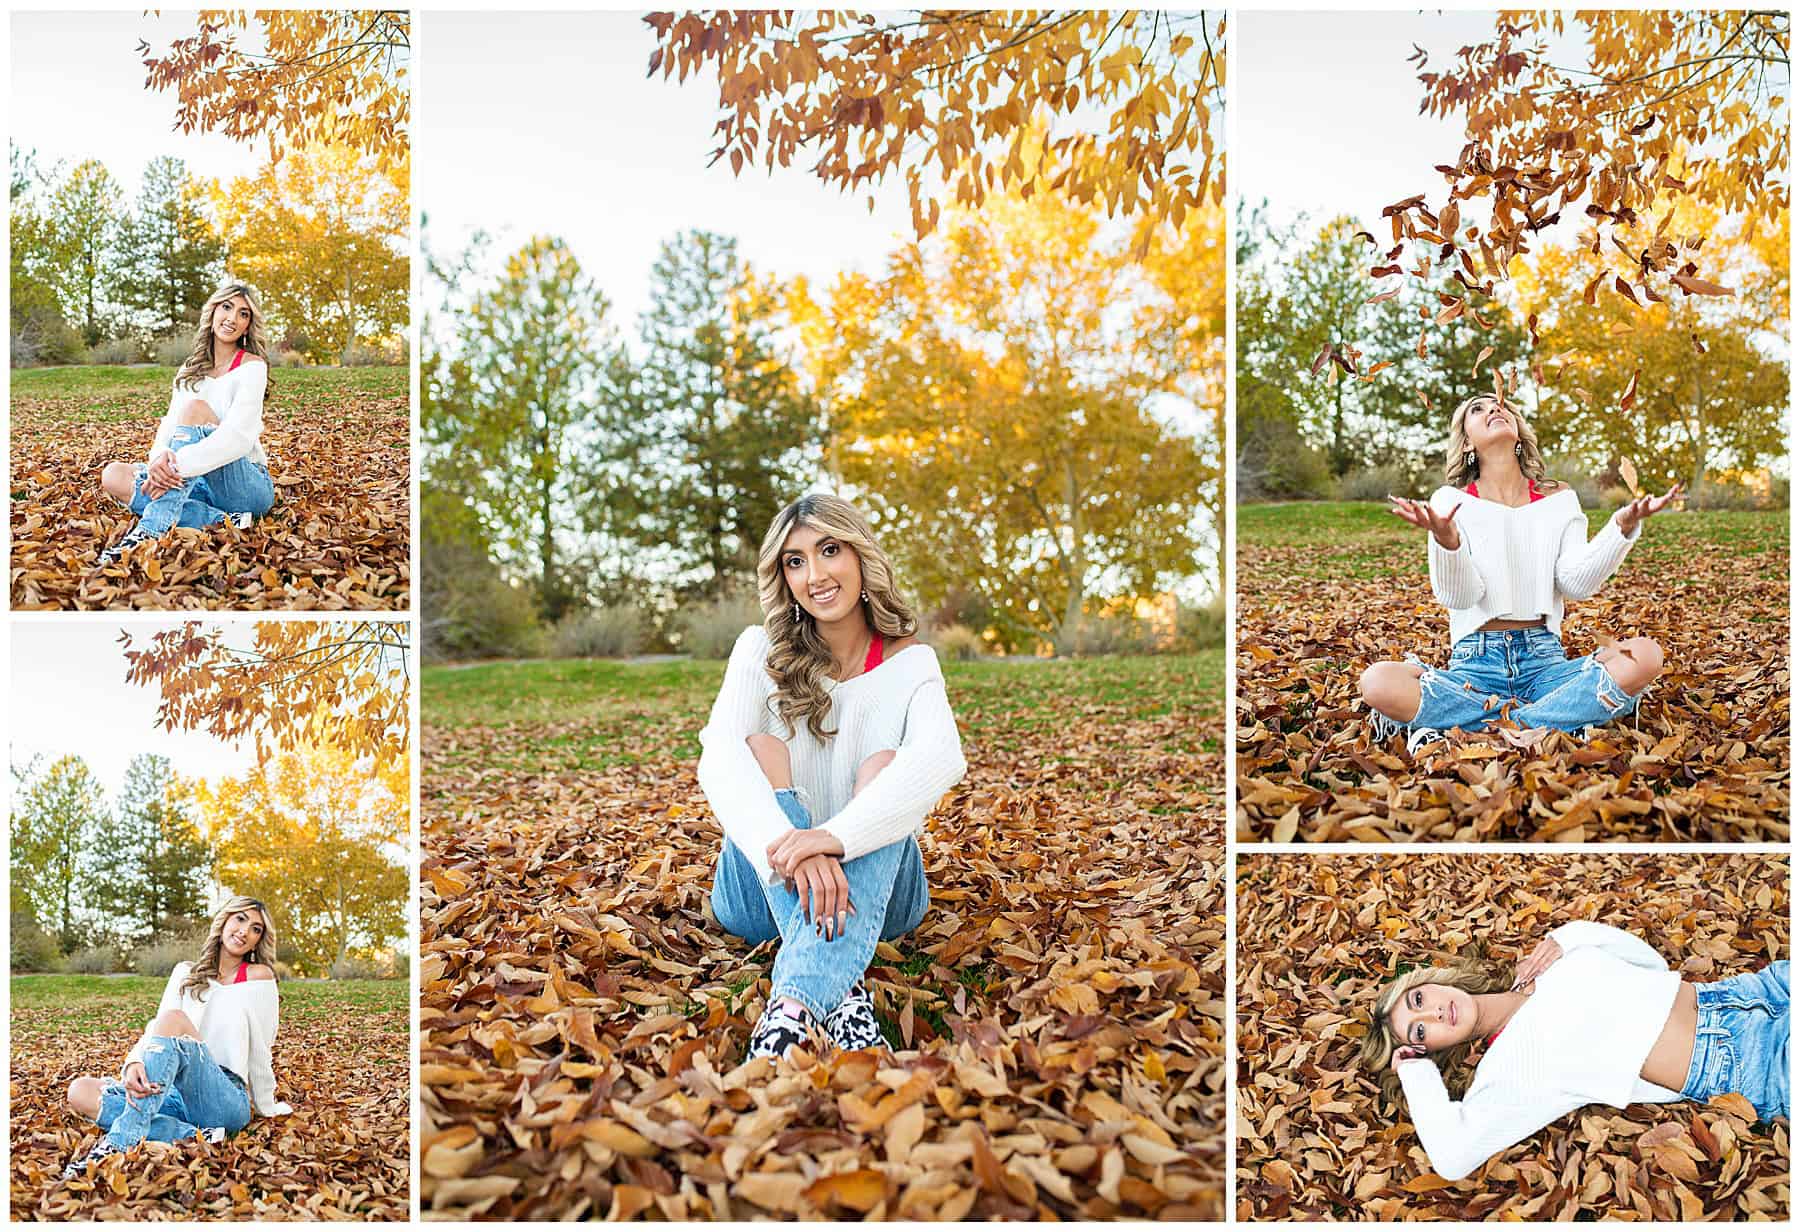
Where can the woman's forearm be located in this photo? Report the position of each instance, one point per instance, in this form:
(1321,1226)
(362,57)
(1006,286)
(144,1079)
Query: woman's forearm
(928,763)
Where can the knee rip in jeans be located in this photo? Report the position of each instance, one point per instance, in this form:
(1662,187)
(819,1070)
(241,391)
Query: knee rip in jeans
(1608,692)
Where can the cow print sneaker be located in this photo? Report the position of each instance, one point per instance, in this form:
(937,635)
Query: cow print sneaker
(778,1030)
(852,1024)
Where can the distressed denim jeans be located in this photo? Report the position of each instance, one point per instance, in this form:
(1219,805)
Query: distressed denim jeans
(887,888)
(1521,673)
(195,1093)
(241,486)
(1741,1040)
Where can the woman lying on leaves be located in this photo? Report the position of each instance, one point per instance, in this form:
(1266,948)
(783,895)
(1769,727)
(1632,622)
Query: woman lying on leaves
(203,1064)
(1592,1016)
(830,741)
(207,463)
(1505,568)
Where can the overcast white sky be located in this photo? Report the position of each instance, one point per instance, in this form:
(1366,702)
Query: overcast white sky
(69,696)
(78,92)
(546,123)
(1328,109)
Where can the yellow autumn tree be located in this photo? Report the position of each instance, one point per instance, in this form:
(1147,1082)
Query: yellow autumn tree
(323,233)
(342,683)
(1008,399)
(320,835)
(1111,109)
(293,78)
(1683,387)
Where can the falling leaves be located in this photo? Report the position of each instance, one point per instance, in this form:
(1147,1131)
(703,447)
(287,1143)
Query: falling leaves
(585,1019)
(342,1060)
(1705,758)
(1318,936)
(338,537)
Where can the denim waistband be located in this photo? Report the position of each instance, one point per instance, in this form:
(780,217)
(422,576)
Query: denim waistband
(1494,639)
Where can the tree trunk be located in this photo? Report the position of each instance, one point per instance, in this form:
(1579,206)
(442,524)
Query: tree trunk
(1698,471)
(349,317)
(1076,561)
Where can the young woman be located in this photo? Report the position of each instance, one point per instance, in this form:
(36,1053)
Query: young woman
(1508,548)
(202,1066)
(1593,1016)
(830,741)
(207,463)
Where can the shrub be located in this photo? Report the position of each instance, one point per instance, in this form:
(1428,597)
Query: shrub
(958,642)
(467,609)
(115,351)
(709,628)
(159,955)
(287,357)
(40,335)
(1274,462)
(1408,477)
(365,355)
(172,351)
(33,949)
(1714,495)
(363,965)
(600,633)
(102,959)
(1109,634)
(1200,627)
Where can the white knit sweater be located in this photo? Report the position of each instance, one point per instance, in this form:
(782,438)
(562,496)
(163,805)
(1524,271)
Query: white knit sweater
(237,399)
(1520,563)
(237,1022)
(1580,1038)
(901,705)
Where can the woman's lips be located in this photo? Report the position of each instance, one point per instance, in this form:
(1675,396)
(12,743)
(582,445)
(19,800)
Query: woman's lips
(1453,1013)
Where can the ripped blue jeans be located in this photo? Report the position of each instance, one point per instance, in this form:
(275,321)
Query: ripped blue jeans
(1741,1040)
(1521,673)
(241,486)
(195,1092)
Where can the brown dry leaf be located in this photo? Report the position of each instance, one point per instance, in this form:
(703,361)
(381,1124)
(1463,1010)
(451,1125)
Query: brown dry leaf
(1318,937)
(1628,472)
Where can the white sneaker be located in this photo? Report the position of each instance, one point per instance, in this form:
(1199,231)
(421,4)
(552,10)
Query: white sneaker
(1418,737)
(240,520)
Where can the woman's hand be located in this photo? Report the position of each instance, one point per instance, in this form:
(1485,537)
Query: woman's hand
(136,1083)
(787,852)
(1643,507)
(1441,525)
(1406,1052)
(824,894)
(1536,963)
(163,476)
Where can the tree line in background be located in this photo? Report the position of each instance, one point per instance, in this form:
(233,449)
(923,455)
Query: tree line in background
(321,233)
(1710,375)
(1028,404)
(315,832)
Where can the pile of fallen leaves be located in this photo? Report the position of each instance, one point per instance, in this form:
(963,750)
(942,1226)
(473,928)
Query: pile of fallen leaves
(338,537)
(1058,1014)
(1319,935)
(1705,758)
(342,1154)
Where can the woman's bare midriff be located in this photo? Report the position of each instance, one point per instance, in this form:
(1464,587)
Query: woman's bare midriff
(1667,1064)
(1501,626)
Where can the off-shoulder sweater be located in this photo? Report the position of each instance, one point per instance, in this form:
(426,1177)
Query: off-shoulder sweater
(1581,1038)
(1520,563)
(237,1022)
(237,399)
(900,705)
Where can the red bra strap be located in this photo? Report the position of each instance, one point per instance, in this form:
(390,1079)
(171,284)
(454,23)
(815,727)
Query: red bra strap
(236,360)
(873,659)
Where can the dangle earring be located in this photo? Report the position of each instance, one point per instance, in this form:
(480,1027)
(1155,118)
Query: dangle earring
(796,611)
(1519,450)
(865,596)
(1469,461)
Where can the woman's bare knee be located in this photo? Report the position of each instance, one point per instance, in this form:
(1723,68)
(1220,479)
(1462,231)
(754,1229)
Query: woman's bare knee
(118,480)
(872,765)
(1392,688)
(771,755)
(1633,663)
(197,414)
(173,1023)
(84,1096)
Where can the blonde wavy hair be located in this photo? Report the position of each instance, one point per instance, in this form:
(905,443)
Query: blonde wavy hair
(207,968)
(1460,471)
(799,661)
(199,363)
(1473,974)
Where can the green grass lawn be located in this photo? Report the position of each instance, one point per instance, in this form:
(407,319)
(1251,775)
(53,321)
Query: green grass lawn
(108,393)
(1361,539)
(90,1004)
(600,713)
